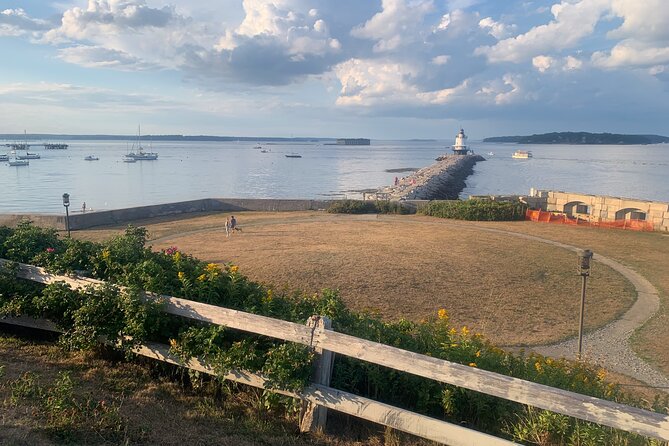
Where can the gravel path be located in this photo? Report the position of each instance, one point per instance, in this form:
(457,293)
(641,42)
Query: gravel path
(609,346)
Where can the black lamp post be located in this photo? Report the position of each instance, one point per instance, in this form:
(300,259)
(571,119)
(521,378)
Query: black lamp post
(66,203)
(584,258)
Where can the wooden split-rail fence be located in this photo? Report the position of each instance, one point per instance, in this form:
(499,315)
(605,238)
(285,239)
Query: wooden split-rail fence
(318,397)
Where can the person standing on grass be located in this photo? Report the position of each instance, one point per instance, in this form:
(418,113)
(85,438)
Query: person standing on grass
(233,223)
(227,227)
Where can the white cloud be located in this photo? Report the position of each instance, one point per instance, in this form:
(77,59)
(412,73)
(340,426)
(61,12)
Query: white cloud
(100,57)
(441,59)
(572,22)
(542,63)
(399,23)
(630,53)
(496,29)
(572,63)
(15,22)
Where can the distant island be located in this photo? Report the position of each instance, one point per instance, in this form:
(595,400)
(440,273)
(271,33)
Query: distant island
(59,137)
(580,138)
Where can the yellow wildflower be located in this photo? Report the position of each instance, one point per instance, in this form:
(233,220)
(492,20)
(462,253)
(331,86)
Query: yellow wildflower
(452,331)
(234,268)
(601,374)
(549,361)
(540,369)
(177,256)
(105,254)
(443,314)
(472,364)
(478,353)
(201,277)
(212,268)
(464,331)
(173,343)
(270,294)
(454,345)
(181,275)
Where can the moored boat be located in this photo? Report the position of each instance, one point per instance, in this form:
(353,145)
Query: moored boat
(91,158)
(293,155)
(522,154)
(28,156)
(4,157)
(18,162)
(140,154)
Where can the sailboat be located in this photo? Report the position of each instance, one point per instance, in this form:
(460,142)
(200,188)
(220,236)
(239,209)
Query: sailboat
(21,160)
(25,146)
(140,154)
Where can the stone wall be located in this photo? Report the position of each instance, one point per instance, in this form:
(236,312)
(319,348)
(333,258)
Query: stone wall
(601,208)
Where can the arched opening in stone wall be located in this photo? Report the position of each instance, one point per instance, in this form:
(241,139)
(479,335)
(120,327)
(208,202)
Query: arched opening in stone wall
(576,208)
(630,214)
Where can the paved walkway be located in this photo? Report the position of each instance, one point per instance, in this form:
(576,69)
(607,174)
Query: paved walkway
(608,347)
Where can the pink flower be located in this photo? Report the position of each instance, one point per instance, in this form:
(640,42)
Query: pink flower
(171,250)
(50,250)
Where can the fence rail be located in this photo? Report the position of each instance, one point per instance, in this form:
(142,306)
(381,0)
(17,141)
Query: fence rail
(579,406)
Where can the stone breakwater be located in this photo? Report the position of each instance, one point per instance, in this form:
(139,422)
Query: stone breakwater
(443,180)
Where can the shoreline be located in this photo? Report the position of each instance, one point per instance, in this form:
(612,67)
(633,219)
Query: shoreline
(443,180)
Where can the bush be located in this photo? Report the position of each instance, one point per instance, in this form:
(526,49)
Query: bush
(476,210)
(367,207)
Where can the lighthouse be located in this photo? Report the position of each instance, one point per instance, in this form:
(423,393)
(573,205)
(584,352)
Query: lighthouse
(460,146)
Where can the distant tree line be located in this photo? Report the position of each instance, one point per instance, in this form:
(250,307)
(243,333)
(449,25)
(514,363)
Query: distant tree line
(580,138)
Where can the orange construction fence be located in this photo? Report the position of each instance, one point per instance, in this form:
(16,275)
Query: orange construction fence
(550,217)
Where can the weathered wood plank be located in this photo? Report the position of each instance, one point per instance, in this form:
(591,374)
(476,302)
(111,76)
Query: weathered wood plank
(314,417)
(238,320)
(584,407)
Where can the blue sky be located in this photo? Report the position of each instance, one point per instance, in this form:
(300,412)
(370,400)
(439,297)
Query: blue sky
(388,69)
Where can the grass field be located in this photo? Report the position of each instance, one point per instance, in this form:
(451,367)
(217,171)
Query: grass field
(513,291)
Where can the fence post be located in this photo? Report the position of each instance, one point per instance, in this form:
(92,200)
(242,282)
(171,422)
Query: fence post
(313,417)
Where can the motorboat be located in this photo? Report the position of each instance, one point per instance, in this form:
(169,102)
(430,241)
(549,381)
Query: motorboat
(522,154)
(264,151)
(4,157)
(28,156)
(491,153)
(91,158)
(18,162)
(293,155)
(127,159)
(257,146)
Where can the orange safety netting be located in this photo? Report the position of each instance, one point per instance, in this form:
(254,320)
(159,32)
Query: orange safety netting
(550,217)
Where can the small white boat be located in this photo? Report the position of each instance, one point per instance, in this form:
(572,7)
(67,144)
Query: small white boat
(264,151)
(491,153)
(522,154)
(257,146)
(4,157)
(18,162)
(128,159)
(91,158)
(28,156)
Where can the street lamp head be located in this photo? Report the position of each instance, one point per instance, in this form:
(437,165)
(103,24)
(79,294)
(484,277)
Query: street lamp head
(584,257)
(66,200)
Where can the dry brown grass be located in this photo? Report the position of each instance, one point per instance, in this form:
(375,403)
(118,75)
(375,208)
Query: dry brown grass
(513,291)
(153,410)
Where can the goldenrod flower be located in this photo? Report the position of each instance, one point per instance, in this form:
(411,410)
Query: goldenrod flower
(540,369)
(181,275)
(173,343)
(443,314)
(601,374)
(472,364)
(234,268)
(177,256)
(452,331)
(464,331)
(212,268)
(478,354)
(201,277)
(105,254)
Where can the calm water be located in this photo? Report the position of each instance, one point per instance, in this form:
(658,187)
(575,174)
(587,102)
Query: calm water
(192,170)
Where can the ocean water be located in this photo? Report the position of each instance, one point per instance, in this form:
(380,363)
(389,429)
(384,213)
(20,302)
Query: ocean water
(193,170)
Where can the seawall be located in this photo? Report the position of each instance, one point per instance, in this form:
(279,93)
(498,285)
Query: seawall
(443,180)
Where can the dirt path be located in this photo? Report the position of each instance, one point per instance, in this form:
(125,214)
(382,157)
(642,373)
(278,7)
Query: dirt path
(608,346)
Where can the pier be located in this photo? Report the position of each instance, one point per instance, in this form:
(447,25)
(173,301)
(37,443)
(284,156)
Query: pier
(443,180)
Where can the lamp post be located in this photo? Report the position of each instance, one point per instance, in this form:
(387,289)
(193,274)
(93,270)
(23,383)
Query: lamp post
(66,203)
(584,258)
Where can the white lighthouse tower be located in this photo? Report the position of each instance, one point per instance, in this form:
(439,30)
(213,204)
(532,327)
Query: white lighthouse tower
(460,147)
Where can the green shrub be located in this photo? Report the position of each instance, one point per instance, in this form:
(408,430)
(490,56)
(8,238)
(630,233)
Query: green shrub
(367,207)
(476,210)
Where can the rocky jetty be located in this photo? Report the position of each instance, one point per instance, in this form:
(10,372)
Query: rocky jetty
(443,180)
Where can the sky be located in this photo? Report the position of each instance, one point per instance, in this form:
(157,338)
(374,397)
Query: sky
(388,69)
